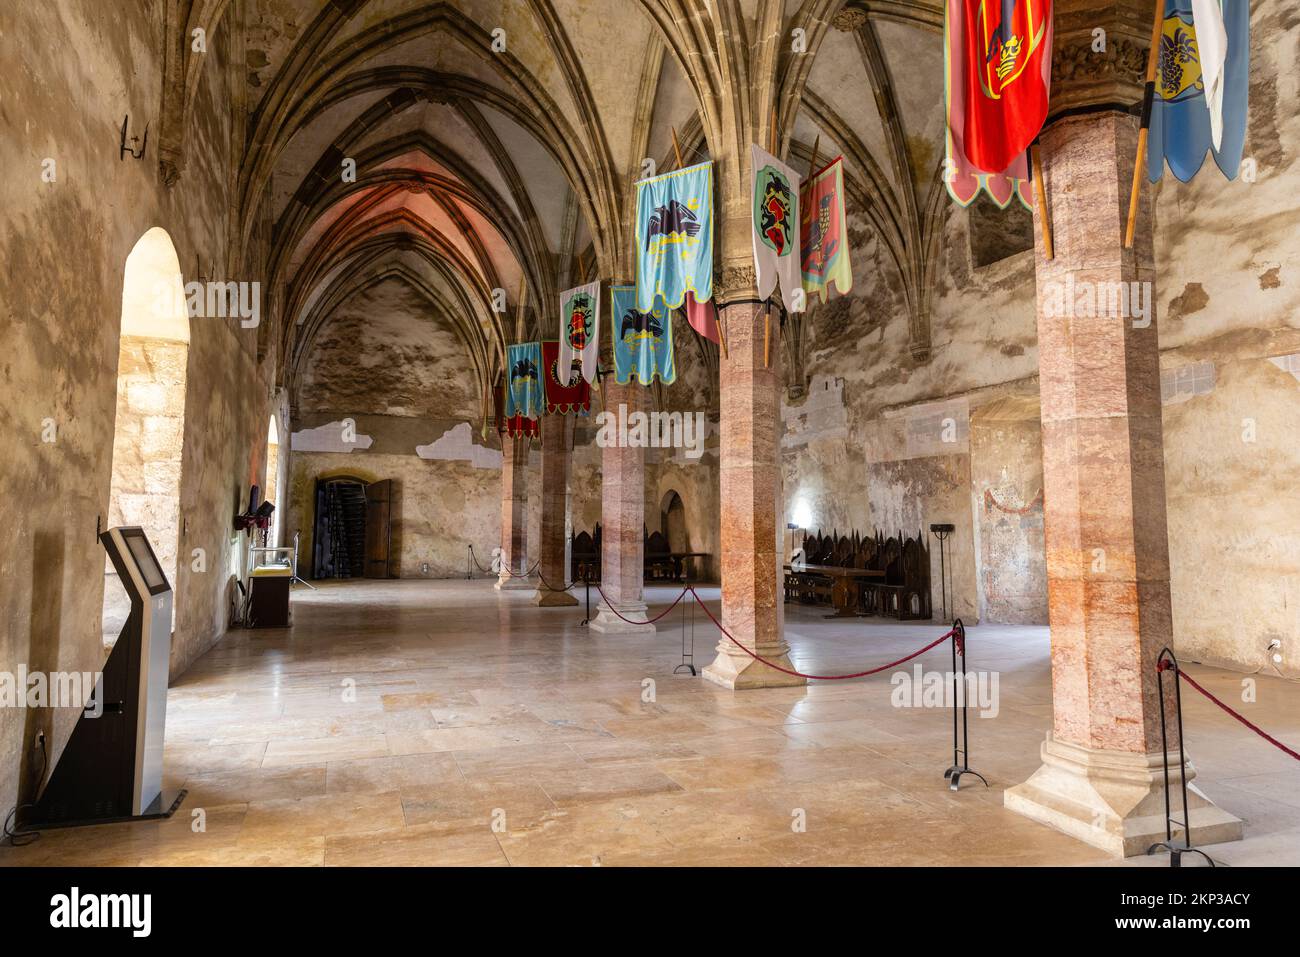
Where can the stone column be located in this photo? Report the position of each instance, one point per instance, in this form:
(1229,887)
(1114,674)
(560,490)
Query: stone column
(1104,483)
(514,513)
(753,523)
(557,446)
(622,516)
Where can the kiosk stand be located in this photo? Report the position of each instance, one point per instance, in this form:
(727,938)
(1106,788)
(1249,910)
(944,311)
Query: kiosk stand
(112,767)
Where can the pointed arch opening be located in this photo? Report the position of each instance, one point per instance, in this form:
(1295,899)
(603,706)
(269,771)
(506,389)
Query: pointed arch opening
(149,425)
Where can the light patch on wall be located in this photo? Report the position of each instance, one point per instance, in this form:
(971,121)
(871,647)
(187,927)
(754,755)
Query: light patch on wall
(457,445)
(821,416)
(1186,382)
(935,428)
(1289,364)
(329,438)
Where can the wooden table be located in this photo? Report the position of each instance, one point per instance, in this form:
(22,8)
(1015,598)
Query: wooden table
(846,589)
(679,561)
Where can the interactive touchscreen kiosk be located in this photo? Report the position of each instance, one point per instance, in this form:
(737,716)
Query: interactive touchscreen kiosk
(112,767)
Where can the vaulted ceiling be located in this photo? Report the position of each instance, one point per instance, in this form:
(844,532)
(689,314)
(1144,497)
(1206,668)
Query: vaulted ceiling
(495,142)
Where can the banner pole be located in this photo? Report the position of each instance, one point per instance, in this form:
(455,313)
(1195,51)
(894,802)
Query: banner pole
(1040,192)
(1148,96)
(767,312)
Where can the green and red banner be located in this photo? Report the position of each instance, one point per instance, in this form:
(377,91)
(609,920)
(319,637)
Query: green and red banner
(824,233)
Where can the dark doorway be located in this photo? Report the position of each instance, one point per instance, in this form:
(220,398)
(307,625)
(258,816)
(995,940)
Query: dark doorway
(339,549)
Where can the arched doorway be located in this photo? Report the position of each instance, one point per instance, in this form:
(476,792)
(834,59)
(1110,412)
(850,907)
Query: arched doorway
(149,428)
(672,522)
(272,481)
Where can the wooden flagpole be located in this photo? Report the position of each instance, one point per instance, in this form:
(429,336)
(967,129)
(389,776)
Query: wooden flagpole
(1040,191)
(1148,95)
(722,335)
(767,313)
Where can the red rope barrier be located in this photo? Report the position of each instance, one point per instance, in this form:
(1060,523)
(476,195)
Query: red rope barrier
(651,621)
(1259,731)
(799,674)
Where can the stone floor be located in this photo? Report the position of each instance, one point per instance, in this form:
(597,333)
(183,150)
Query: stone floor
(448,723)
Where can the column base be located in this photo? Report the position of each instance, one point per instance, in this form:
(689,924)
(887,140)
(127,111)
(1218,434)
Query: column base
(550,598)
(1114,800)
(514,583)
(736,670)
(607,623)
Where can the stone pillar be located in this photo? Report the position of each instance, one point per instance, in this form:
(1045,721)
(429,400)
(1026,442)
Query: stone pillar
(557,446)
(1103,476)
(753,523)
(514,513)
(622,516)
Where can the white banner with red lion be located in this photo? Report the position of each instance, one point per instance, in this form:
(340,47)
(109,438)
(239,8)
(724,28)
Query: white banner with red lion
(580,329)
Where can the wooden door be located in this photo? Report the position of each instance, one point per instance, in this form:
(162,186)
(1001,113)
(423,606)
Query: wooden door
(379,505)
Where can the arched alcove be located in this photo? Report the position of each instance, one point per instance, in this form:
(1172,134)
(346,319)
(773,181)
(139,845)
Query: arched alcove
(149,427)
(672,521)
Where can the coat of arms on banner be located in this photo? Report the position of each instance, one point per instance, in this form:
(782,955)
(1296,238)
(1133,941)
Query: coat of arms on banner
(823,233)
(580,328)
(643,339)
(566,390)
(776,227)
(674,237)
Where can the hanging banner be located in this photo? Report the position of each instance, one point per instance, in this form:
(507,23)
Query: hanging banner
(513,426)
(567,392)
(775,228)
(524,380)
(643,340)
(580,328)
(1182,114)
(824,234)
(674,237)
(703,317)
(997,77)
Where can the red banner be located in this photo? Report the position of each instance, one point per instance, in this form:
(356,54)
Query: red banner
(565,395)
(999,62)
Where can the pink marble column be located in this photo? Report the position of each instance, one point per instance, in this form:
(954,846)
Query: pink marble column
(514,513)
(557,447)
(1104,488)
(752,506)
(622,517)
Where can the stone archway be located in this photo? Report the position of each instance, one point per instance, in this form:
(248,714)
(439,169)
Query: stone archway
(672,521)
(149,428)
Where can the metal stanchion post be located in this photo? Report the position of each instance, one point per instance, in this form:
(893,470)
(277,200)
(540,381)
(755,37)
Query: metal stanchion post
(688,659)
(469,563)
(586,581)
(954,773)
(1167,662)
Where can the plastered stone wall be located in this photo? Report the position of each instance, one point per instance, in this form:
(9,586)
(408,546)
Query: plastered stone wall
(72,70)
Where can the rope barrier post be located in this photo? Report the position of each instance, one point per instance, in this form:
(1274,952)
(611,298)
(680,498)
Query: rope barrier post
(962,747)
(1167,662)
(586,581)
(689,664)
(469,563)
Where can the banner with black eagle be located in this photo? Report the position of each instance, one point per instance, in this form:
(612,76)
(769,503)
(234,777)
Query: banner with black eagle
(674,238)
(997,78)
(524,380)
(580,328)
(567,392)
(824,232)
(1202,88)
(643,339)
(776,228)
